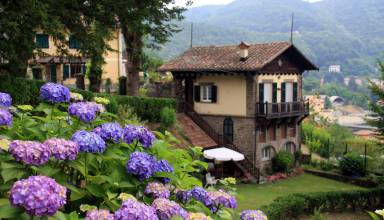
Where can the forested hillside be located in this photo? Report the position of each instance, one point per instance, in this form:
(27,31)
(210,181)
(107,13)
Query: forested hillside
(346,32)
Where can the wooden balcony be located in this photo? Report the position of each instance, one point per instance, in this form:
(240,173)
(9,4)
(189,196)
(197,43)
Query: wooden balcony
(282,109)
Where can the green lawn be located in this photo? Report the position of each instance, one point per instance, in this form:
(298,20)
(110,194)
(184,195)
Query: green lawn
(253,196)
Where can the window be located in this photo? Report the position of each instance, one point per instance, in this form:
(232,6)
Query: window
(70,70)
(283,130)
(266,153)
(228,129)
(42,40)
(206,93)
(289,147)
(73,43)
(292,130)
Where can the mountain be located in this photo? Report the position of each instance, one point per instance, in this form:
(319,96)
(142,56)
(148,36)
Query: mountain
(346,32)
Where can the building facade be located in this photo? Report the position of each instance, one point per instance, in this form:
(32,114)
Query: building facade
(250,95)
(49,65)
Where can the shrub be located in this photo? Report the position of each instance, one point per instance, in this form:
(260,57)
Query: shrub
(292,206)
(283,162)
(23,91)
(167,117)
(352,165)
(123,85)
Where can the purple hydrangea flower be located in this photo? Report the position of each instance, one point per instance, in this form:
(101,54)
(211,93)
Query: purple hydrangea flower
(30,152)
(184,196)
(253,215)
(38,195)
(201,195)
(89,142)
(164,166)
(110,131)
(141,164)
(6,118)
(99,215)
(85,111)
(134,210)
(139,133)
(167,209)
(221,198)
(5,100)
(54,93)
(157,190)
(63,149)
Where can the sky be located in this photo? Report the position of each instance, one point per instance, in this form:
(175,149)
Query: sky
(197,3)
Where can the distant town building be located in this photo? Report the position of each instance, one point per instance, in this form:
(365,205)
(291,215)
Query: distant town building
(316,102)
(334,69)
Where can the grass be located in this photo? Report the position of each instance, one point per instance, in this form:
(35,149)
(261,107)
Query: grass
(251,196)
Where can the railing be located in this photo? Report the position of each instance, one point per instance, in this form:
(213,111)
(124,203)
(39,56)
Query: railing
(246,165)
(282,109)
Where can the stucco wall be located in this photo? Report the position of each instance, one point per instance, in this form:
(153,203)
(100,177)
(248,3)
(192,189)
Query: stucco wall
(111,68)
(231,96)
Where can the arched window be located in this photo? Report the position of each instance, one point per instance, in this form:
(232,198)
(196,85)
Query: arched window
(289,147)
(228,129)
(267,153)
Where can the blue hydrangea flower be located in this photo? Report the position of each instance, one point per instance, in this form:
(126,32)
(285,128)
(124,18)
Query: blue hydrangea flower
(184,196)
(141,164)
(5,100)
(6,118)
(167,209)
(221,199)
(110,131)
(253,215)
(164,166)
(139,133)
(85,111)
(89,142)
(134,210)
(201,195)
(38,195)
(54,93)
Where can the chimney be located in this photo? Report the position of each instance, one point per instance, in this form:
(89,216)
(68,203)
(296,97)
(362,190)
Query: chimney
(243,46)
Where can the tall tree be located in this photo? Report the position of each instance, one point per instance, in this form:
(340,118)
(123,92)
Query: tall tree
(145,23)
(377,104)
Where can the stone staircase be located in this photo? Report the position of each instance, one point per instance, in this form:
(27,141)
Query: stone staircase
(203,134)
(194,133)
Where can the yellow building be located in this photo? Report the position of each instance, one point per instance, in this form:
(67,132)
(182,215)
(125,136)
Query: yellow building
(49,65)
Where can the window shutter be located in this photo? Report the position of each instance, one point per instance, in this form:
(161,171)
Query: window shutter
(42,40)
(295,92)
(274,92)
(214,94)
(261,92)
(197,93)
(84,69)
(283,88)
(66,71)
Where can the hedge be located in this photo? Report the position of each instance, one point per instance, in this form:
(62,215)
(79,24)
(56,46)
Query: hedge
(295,205)
(26,91)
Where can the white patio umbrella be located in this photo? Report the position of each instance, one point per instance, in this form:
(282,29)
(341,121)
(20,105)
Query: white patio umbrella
(223,154)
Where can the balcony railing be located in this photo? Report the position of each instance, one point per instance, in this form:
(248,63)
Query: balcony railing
(282,109)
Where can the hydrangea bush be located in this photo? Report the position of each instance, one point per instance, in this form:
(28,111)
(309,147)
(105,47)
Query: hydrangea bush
(75,161)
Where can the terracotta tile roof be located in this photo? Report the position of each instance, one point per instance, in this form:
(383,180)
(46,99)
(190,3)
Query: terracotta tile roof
(207,58)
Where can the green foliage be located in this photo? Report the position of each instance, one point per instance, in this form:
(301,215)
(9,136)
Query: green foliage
(167,117)
(352,164)
(148,109)
(283,162)
(95,180)
(22,91)
(295,205)
(376,105)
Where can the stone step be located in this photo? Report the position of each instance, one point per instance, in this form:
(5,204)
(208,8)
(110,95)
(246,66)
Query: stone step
(194,133)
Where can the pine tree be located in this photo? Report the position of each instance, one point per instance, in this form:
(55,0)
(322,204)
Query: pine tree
(376,105)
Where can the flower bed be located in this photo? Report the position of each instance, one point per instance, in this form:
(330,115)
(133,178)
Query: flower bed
(74,160)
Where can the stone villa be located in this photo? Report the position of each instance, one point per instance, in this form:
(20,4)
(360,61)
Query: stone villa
(245,97)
